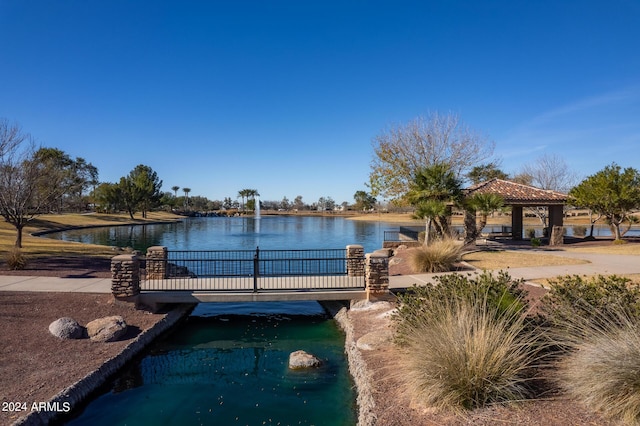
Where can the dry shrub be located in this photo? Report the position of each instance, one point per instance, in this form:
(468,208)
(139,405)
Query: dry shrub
(602,367)
(467,356)
(16,259)
(468,343)
(439,256)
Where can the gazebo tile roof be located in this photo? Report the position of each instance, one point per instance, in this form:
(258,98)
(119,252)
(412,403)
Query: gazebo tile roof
(517,193)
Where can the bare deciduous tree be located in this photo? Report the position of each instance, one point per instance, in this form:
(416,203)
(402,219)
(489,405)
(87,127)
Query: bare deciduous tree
(550,172)
(28,186)
(401,151)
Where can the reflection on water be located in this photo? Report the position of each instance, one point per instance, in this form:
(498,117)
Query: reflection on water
(228,364)
(238,233)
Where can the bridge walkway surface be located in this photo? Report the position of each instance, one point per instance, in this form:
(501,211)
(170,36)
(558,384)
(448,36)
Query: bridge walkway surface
(604,264)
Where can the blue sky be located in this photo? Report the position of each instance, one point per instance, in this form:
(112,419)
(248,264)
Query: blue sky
(286,96)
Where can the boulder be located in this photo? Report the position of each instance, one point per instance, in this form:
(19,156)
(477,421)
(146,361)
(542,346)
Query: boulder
(66,328)
(107,329)
(302,359)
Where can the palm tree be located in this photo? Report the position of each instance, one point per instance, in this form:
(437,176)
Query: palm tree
(433,190)
(175,190)
(485,204)
(243,194)
(186,197)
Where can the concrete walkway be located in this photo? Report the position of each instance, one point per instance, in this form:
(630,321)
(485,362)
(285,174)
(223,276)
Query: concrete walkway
(604,264)
(51,284)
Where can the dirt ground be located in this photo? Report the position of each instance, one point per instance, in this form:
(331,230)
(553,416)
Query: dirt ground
(35,366)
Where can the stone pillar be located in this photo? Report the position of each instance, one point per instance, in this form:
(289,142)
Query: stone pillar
(516,222)
(125,276)
(355,260)
(157,263)
(377,273)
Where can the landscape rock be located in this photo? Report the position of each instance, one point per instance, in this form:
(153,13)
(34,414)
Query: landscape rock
(302,359)
(66,328)
(107,329)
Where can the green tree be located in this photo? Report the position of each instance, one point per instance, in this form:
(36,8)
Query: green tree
(175,189)
(612,192)
(433,191)
(140,189)
(74,176)
(485,172)
(364,200)
(400,152)
(108,197)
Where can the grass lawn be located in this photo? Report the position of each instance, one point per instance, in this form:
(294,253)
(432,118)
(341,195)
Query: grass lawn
(42,246)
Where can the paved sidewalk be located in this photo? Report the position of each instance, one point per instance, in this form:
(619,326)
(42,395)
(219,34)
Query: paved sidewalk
(604,264)
(51,284)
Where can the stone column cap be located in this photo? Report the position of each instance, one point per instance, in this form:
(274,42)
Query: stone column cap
(124,257)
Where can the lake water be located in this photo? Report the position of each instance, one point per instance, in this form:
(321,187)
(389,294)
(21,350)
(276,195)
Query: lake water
(239,233)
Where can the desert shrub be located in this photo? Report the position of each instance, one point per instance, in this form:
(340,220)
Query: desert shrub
(16,259)
(468,342)
(574,298)
(601,368)
(536,242)
(579,230)
(436,257)
(530,233)
(501,292)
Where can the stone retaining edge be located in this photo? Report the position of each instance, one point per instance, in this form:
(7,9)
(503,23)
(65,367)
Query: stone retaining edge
(76,393)
(357,366)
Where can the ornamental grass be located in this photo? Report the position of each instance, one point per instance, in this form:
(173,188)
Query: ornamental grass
(439,256)
(602,366)
(469,348)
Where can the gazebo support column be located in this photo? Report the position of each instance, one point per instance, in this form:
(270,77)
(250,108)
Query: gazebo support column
(516,222)
(556,230)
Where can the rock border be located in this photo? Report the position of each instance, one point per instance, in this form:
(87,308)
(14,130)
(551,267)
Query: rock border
(79,391)
(358,369)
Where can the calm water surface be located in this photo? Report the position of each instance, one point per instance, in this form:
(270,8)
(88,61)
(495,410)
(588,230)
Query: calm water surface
(227,365)
(239,233)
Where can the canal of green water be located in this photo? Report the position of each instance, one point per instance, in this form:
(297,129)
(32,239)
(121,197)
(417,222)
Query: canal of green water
(227,364)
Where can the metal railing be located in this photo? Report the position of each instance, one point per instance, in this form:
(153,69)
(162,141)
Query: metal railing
(255,270)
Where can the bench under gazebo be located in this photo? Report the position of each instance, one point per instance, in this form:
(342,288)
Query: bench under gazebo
(517,196)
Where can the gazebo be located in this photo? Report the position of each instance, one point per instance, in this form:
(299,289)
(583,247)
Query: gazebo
(517,196)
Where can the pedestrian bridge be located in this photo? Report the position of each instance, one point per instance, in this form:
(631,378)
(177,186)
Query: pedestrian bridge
(249,275)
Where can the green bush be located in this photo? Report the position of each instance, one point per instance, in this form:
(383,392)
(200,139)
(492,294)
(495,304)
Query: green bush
(16,259)
(439,256)
(501,291)
(598,299)
(468,342)
(579,230)
(601,368)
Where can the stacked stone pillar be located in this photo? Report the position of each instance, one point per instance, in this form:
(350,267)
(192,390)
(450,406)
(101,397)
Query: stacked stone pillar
(157,263)
(377,273)
(355,260)
(125,276)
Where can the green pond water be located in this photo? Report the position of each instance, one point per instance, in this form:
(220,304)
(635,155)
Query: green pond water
(227,364)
